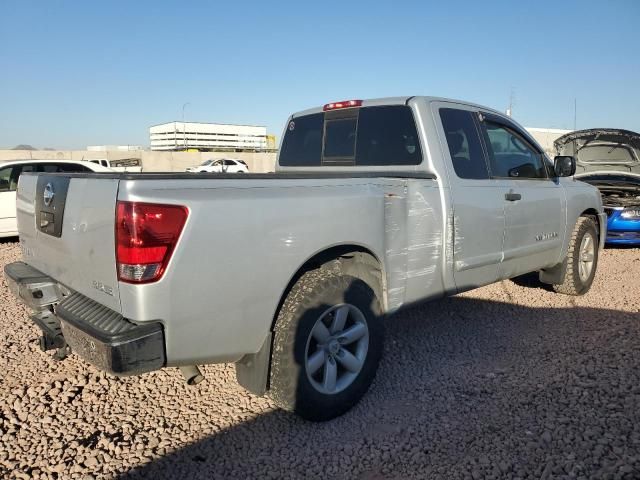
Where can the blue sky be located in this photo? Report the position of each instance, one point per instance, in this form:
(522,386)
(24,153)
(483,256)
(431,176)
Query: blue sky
(81,73)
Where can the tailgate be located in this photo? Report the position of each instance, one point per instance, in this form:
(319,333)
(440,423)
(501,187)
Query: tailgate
(66,227)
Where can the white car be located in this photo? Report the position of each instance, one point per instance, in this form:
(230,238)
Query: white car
(11,171)
(223,165)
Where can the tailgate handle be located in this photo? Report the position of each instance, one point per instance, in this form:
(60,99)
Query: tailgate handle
(512,197)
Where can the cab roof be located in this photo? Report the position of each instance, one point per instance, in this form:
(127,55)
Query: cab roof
(400,101)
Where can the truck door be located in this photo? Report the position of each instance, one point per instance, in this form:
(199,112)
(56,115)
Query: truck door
(535,204)
(477,213)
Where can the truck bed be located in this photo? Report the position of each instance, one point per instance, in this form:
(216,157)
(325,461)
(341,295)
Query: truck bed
(246,235)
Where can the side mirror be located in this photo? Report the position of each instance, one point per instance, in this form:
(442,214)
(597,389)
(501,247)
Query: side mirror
(564,166)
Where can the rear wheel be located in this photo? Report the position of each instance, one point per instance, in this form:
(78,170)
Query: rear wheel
(327,344)
(582,259)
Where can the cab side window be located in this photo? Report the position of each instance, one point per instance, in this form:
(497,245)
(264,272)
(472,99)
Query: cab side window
(510,155)
(464,144)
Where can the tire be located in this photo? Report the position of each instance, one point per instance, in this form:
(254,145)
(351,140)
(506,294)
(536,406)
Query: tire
(302,385)
(579,273)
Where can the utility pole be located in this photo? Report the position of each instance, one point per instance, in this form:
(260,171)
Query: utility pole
(184,127)
(511,98)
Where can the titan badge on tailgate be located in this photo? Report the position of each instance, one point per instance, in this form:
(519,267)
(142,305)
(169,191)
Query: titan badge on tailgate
(51,196)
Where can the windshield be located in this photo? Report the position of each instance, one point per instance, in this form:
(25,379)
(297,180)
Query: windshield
(206,162)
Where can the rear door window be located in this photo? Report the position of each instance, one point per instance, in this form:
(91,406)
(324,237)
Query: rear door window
(464,144)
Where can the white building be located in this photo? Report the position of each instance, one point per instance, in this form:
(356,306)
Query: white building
(207,136)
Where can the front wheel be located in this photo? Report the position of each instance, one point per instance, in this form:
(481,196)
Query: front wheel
(327,344)
(582,259)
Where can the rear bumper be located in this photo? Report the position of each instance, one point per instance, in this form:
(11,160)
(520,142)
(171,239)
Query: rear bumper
(99,335)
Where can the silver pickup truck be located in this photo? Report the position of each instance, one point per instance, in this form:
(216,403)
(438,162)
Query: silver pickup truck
(375,205)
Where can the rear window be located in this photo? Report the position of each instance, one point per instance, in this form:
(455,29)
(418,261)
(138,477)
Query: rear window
(387,136)
(373,136)
(340,138)
(302,143)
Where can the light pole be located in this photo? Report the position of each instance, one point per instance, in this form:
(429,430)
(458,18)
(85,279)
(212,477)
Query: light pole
(184,127)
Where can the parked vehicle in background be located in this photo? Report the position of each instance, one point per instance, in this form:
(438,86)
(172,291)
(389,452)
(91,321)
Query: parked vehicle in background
(11,171)
(120,165)
(222,165)
(375,205)
(609,159)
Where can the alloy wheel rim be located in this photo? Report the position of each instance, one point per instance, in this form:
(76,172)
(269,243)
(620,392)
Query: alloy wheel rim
(587,257)
(336,348)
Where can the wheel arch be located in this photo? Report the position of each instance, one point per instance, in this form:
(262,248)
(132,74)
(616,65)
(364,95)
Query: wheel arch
(593,213)
(350,252)
(556,273)
(253,371)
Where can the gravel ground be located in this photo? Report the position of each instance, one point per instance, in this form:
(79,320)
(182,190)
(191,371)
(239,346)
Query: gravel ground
(509,381)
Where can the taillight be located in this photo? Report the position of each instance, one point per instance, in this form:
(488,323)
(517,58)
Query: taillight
(146,235)
(342,104)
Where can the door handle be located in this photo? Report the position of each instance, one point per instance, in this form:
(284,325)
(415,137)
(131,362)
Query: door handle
(512,197)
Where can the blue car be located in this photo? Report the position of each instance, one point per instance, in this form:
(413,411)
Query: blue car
(609,159)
